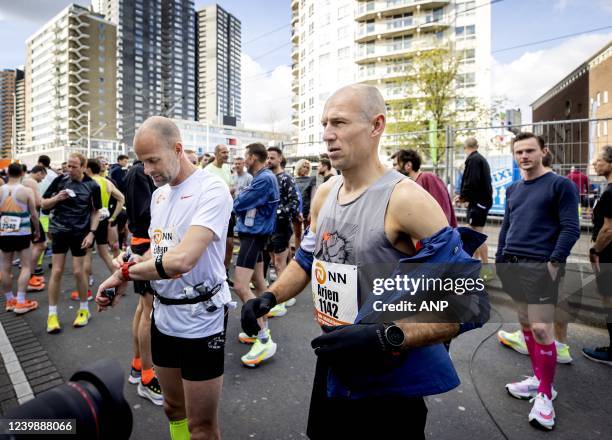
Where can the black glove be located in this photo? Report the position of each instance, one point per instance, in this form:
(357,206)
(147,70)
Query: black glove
(351,342)
(256,308)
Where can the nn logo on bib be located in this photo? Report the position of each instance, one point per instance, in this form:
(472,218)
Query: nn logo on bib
(321,275)
(159,235)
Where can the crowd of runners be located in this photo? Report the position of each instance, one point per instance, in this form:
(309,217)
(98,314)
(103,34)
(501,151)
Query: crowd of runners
(189,231)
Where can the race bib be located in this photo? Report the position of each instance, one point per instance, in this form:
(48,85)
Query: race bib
(162,240)
(334,293)
(8,223)
(104,214)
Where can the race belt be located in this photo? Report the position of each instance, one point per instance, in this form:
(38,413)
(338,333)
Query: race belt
(198,294)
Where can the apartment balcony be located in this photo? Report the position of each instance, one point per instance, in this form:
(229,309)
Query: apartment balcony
(295,5)
(295,34)
(379,8)
(295,18)
(295,53)
(295,69)
(390,28)
(371,52)
(295,87)
(385,71)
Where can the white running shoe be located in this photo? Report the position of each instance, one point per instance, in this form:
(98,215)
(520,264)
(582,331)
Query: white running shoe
(290,302)
(259,352)
(542,413)
(151,391)
(277,311)
(527,388)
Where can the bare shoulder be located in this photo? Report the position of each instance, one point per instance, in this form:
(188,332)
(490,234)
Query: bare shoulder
(414,211)
(30,183)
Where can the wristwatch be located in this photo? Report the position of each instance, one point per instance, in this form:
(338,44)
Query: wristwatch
(394,335)
(125,270)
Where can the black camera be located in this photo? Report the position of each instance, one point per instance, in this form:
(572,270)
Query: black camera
(93,397)
(110,294)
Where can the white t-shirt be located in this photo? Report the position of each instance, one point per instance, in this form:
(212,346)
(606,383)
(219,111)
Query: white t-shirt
(201,200)
(46,182)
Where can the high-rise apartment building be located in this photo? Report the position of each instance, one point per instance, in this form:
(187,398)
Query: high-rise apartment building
(7,110)
(70,86)
(155,60)
(219,61)
(19,126)
(375,42)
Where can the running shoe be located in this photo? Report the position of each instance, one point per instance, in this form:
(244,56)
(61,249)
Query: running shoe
(135,376)
(53,325)
(151,391)
(82,318)
(514,340)
(563,353)
(527,389)
(75,295)
(10,304)
(246,339)
(35,284)
(542,413)
(290,303)
(277,311)
(16,262)
(603,355)
(259,352)
(91,280)
(25,307)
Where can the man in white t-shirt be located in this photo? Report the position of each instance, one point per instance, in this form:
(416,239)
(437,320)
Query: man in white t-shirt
(190,211)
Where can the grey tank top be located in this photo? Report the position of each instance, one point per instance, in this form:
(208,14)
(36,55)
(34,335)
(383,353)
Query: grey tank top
(354,233)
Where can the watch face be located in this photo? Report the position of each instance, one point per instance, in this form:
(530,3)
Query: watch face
(395,335)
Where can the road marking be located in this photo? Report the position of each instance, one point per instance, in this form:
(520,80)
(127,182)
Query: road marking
(22,388)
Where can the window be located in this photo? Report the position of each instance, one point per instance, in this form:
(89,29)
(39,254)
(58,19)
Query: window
(466,8)
(464,32)
(467,56)
(311,10)
(310,121)
(343,11)
(343,32)
(605,97)
(323,60)
(344,53)
(326,20)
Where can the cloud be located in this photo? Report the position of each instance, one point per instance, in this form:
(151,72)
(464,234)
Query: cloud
(266,96)
(561,5)
(34,11)
(525,79)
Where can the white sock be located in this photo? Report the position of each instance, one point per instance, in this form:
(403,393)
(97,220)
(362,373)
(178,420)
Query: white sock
(262,335)
(52,310)
(9,296)
(84,306)
(20,297)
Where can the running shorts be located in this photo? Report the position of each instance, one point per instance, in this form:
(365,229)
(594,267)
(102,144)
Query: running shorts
(251,250)
(199,358)
(14,243)
(62,241)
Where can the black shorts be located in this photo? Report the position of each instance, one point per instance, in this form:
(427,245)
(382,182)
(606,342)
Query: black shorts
(279,240)
(62,241)
(476,214)
(232,224)
(199,359)
(344,418)
(15,243)
(42,236)
(121,220)
(528,281)
(101,234)
(141,287)
(251,250)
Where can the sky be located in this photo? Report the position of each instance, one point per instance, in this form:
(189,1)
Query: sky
(519,75)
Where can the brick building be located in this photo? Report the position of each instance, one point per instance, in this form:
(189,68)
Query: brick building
(583,94)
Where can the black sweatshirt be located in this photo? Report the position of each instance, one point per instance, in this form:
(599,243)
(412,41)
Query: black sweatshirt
(138,191)
(476,181)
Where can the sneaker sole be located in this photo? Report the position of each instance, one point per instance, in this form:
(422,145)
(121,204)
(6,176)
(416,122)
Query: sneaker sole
(54,331)
(36,288)
(134,380)
(536,424)
(520,397)
(512,346)
(24,311)
(145,395)
(276,315)
(564,360)
(258,362)
(599,361)
(246,341)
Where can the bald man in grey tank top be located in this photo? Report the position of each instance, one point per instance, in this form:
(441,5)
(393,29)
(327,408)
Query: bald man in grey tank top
(369,214)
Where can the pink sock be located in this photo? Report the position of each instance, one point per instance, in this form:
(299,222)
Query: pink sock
(546,356)
(530,342)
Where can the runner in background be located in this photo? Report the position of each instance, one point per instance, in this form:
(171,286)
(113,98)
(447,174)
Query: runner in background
(39,244)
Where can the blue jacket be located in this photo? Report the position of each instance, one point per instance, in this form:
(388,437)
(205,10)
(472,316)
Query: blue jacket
(428,370)
(262,194)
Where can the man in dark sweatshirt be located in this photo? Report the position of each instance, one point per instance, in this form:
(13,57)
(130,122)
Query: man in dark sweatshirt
(539,230)
(477,192)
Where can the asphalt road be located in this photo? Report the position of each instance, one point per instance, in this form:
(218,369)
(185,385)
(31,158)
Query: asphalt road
(271,402)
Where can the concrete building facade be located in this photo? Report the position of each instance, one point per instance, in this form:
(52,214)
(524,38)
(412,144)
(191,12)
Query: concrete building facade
(375,42)
(70,86)
(219,66)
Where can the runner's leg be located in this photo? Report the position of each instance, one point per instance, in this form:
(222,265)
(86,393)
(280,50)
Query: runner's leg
(202,404)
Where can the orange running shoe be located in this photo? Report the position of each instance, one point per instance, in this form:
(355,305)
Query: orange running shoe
(10,304)
(25,307)
(75,295)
